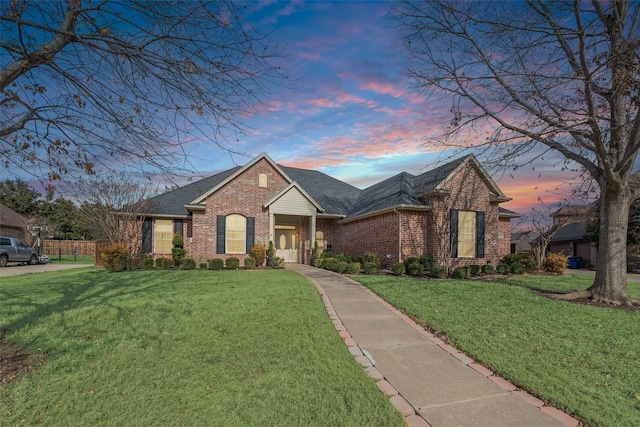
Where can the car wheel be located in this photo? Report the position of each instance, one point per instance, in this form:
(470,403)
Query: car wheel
(33,260)
(3,261)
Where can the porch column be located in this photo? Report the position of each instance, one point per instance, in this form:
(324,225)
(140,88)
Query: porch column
(272,226)
(312,230)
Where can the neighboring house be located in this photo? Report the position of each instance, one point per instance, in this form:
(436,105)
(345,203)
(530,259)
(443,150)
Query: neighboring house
(571,241)
(12,224)
(521,241)
(451,212)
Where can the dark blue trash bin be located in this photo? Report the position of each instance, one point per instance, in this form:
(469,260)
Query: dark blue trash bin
(575,261)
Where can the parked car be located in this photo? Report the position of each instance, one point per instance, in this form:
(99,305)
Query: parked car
(14,250)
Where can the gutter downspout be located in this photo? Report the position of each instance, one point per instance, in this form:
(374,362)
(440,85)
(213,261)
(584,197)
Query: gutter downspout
(399,234)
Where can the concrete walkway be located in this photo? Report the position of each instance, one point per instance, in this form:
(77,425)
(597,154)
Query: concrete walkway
(429,381)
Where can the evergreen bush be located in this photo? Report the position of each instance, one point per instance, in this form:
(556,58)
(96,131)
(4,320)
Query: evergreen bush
(165,263)
(398,269)
(555,263)
(232,263)
(188,264)
(258,253)
(370,267)
(250,263)
(488,269)
(115,257)
(147,264)
(353,268)
(216,264)
(437,272)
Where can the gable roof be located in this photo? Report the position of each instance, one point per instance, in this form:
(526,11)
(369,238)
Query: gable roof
(334,197)
(571,232)
(12,219)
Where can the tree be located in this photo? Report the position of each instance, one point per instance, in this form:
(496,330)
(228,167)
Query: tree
(114,204)
(562,76)
(90,84)
(20,197)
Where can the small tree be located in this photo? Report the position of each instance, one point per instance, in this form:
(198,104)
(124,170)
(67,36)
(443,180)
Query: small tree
(177,252)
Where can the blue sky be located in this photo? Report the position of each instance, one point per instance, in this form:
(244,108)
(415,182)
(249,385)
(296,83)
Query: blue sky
(348,108)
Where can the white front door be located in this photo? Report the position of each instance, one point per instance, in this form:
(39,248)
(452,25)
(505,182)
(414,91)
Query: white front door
(287,245)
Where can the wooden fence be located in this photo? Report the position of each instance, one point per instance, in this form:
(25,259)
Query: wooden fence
(54,248)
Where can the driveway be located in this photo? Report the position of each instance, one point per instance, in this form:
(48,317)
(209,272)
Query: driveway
(15,269)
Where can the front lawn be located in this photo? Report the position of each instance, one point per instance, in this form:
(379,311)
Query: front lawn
(232,348)
(583,359)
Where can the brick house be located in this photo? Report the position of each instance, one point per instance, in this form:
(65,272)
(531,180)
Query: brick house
(451,212)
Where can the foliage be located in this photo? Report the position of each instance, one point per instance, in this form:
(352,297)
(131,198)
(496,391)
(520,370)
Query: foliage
(398,268)
(370,267)
(314,251)
(519,264)
(503,268)
(278,263)
(249,263)
(410,260)
(330,264)
(147,263)
(258,253)
(319,262)
(461,272)
(164,263)
(580,358)
(115,257)
(437,271)
(203,266)
(475,269)
(426,261)
(370,257)
(232,263)
(136,349)
(556,263)
(216,264)
(488,269)
(326,254)
(342,267)
(188,264)
(352,268)
(414,269)
(177,252)
(66,78)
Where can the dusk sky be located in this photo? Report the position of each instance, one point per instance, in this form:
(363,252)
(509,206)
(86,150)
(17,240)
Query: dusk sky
(348,108)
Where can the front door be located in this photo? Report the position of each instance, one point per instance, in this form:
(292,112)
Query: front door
(287,245)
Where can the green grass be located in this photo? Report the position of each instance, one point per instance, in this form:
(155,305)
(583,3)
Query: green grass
(70,259)
(584,360)
(181,348)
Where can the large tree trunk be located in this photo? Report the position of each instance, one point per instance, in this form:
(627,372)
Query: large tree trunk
(610,284)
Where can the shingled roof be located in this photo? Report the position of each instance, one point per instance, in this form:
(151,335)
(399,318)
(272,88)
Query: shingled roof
(334,196)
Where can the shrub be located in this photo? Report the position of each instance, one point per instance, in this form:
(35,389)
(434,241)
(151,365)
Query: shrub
(232,263)
(319,262)
(503,268)
(278,262)
(517,268)
(177,252)
(342,267)
(342,258)
(415,269)
(249,263)
(164,263)
(437,271)
(330,264)
(529,265)
(410,260)
(203,266)
(371,257)
(426,261)
(147,264)
(326,254)
(353,268)
(398,269)
(258,253)
(459,273)
(115,257)
(188,264)
(216,264)
(555,263)
(314,251)
(475,270)
(488,269)
(270,254)
(370,267)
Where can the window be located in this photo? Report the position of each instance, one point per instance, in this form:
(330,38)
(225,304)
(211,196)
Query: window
(163,236)
(236,229)
(262,180)
(320,239)
(467,234)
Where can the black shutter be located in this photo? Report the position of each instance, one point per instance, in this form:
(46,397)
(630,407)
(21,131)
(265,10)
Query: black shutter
(147,235)
(177,226)
(220,234)
(479,234)
(251,225)
(453,224)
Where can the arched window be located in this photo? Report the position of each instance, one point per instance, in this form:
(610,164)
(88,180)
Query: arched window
(320,239)
(236,234)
